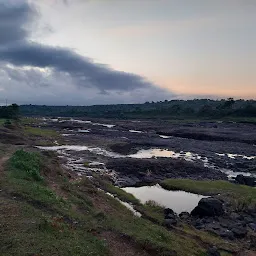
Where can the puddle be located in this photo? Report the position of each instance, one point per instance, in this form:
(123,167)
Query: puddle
(234,156)
(156,152)
(165,136)
(90,122)
(231,174)
(178,201)
(135,131)
(83,131)
(98,151)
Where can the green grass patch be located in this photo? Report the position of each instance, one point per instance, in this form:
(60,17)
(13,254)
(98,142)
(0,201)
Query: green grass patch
(152,210)
(2,121)
(25,165)
(25,181)
(242,197)
(40,132)
(120,193)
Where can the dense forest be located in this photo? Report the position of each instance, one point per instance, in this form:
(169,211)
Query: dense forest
(179,109)
(9,112)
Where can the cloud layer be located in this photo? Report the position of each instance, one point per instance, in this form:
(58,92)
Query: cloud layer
(27,63)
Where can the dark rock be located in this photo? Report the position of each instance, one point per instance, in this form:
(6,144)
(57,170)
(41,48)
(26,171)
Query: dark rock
(168,211)
(170,216)
(170,253)
(213,252)
(234,216)
(208,207)
(184,215)
(226,233)
(245,180)
(252,226)
(170,222)
(239,231)
(248,219)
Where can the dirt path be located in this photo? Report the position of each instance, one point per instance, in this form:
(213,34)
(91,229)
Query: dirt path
(121,245)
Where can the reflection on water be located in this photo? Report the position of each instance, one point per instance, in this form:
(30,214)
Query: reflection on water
(134,131)
(165,136)
(83,131)
(98,151)
(148,153)
(178,201)
(231,174)
(59,120)
(156,152)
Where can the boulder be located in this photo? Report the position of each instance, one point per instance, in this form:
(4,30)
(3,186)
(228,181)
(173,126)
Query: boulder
(184,215)
(170,222)
(225,233)
(252,226)
(213,252)
(208,207)
(245,180)
(239,231)
(168,211)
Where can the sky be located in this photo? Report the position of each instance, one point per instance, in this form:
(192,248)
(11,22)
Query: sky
(84,52)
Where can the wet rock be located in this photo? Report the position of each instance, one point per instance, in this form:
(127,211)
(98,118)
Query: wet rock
(239,231)
(208,207)
(213,252)
(248,219)
(245,180)
(226,233)
(123,148)
(252,226)
(234,216)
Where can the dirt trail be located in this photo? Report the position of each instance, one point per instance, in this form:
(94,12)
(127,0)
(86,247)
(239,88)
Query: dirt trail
(121,245)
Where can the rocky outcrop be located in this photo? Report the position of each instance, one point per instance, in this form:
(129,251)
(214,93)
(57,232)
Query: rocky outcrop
(245,180)
(152,170)
(170,218)
(208,207)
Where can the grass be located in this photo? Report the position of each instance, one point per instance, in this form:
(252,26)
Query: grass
(40,132)
(152,211)
(242,197)
(120,193)
(39,220)
(2,121)
(25,165)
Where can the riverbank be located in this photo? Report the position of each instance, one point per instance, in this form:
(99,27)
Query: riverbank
(63,197)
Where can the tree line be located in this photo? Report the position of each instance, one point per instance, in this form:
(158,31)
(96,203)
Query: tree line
(9,112)
(197,108)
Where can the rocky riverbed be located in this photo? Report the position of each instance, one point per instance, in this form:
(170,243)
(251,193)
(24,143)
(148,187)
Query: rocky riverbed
(148,151)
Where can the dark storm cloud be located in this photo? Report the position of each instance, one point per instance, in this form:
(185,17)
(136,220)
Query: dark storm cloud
(26,56)
(13,21)
(82,69)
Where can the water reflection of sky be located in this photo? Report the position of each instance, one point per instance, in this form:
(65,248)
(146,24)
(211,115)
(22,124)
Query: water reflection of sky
(179,201)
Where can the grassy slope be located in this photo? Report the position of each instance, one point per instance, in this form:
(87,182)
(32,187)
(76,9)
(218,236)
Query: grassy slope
(43,222)
(45,211)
